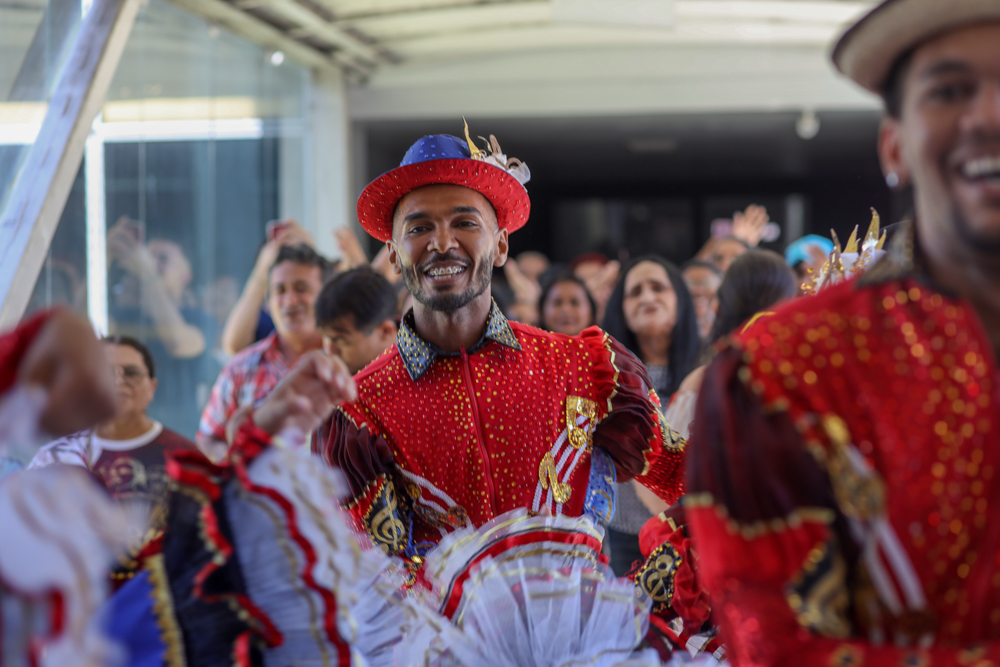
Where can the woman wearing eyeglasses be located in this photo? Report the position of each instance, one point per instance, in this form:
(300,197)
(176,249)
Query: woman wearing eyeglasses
(127,453)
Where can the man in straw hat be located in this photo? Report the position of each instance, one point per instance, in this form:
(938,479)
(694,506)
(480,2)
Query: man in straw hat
(469,416)
(844,484)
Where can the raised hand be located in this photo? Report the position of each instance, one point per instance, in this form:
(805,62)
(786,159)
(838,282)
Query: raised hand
(748,226)
(307,395)
(350,247)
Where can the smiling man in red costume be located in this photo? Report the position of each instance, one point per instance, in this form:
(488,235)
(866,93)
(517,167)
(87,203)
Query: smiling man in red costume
(844,467)
(468,415)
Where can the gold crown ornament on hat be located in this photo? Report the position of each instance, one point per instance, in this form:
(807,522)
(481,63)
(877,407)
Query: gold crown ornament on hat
(849,262)
(493,155)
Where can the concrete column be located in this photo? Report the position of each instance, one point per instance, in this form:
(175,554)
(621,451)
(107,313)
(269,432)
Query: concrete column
(329,151)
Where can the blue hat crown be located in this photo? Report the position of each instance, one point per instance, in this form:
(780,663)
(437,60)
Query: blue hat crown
(436,147)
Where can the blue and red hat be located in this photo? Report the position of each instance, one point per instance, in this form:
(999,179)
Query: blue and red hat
(443,158)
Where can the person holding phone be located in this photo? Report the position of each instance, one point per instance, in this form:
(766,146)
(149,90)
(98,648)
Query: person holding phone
(152,301)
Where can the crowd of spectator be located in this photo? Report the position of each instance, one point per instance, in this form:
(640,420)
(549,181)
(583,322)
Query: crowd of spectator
(296,301)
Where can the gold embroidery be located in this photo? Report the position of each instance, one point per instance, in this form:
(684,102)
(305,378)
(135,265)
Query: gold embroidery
(818,594)
(576,407)
(163,609)
(672,440)
(860,493)
(547,476)
(749,531)
(382,520)
(656,577)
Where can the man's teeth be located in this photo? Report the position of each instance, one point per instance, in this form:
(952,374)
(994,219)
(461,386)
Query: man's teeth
(984,167)
(449,271)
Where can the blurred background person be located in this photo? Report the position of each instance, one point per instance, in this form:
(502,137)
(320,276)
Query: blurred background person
(294,282)
(356,315)
(703,279)
(126,453)
(651,313)
(756,281)
(151,301)
(533,264)
(807,255)
(249,320)
(566,305)
(599,274)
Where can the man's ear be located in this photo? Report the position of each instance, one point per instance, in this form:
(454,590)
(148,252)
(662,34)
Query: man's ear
(387,331)
(890,151)
(393,258)
(503,247)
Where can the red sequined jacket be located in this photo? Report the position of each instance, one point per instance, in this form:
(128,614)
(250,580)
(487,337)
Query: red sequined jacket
(526,418)
(843,479)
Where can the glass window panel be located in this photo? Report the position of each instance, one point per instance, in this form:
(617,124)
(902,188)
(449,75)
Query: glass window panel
(203,144)
(203,140)
(35,37)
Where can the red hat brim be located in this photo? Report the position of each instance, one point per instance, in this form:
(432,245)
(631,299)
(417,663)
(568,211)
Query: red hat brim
(378,201)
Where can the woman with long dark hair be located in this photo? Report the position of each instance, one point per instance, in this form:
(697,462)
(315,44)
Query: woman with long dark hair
(566,306)
(652,314)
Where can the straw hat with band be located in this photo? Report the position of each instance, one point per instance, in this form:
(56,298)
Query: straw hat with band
(871,47)
(446,159)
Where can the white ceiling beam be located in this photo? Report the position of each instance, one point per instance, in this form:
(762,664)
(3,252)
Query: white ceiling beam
(401,25)
(343,9)
(803,11)
(614,81)
(264,34)
(314,24)
(492,41)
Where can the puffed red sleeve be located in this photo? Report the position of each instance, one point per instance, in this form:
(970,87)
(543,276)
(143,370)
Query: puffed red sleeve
(774,550)
(631,427)
(13,345)
(347,442)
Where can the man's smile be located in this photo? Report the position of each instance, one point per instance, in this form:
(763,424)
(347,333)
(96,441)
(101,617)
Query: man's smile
(445,272)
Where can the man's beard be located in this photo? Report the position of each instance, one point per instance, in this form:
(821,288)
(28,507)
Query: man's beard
(448,302)
(983,243)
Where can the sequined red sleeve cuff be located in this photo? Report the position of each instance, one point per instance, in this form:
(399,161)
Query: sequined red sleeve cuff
(669,574)
(346,441)
(14,344)
(632,429)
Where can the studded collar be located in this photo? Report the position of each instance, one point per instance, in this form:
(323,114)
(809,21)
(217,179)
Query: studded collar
(418,354)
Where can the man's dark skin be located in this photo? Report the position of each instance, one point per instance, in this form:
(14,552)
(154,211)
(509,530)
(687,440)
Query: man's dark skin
(440,227)
(950,117)
(437,230)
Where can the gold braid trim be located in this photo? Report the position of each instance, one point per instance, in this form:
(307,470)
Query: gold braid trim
(611,360)
(749,531)
(163,608)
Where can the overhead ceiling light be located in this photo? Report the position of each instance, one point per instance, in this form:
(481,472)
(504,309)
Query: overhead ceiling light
(660,145)
(640,13)
(807,125)
(277,58)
